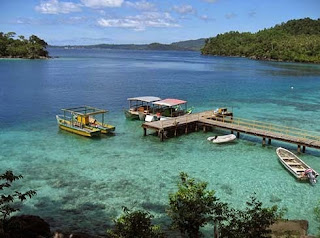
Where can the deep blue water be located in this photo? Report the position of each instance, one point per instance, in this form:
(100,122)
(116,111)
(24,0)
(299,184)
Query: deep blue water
(82,183)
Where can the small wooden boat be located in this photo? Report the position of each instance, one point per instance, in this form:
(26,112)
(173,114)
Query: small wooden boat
(222,139)
(139,107)
(296,166)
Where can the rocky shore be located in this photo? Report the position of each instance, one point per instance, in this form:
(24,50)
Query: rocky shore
(28,226)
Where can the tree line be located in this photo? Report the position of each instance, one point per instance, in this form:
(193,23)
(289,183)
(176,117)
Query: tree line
(20,47)
(295,41)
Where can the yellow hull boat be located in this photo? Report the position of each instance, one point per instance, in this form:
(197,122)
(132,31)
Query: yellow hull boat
(73,127)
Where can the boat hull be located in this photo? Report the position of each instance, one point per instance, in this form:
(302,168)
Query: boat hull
(104,128)
(142,116)
(293,164)
(222,139)
(68,126)
(129,115)
(79,132)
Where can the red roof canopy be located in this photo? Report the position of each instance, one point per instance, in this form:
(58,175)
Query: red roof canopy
(170,102)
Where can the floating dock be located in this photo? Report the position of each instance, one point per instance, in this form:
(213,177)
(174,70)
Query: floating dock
(208,120)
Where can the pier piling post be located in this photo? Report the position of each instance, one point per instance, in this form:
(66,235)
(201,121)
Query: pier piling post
(299,148)
(269,141)
(231,131)
(238,134)
(161,135)
(303,149)
(263,141)
(204,129)
(196,127)
(144,131)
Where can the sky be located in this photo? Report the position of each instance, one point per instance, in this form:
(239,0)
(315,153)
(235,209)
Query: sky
(85,22)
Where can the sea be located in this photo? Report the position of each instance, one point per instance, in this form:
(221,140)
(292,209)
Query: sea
(83,184)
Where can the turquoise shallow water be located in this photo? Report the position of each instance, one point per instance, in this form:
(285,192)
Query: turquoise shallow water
(83,183)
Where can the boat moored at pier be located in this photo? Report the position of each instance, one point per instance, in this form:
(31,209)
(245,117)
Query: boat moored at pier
(168,108)
(222,139)
(139,107)
(296,166)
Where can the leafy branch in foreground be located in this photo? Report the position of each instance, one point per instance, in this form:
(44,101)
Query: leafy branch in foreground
(252,222)
(192,206)
(7,200)
(135,224)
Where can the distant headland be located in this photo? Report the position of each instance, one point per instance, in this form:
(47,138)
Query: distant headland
(294,41)
(188,45)
(32,48)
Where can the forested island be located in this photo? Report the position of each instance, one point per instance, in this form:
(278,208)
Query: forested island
(188,45)
(12,47)
(295,41)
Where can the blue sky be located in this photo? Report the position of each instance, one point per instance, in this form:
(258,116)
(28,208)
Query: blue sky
(62,22)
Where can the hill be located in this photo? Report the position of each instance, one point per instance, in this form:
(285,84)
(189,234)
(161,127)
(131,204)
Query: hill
(193,45)
(295,40)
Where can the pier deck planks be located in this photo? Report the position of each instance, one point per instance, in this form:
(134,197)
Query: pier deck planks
(205,119)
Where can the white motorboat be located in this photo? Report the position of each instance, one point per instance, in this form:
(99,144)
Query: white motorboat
(222,139)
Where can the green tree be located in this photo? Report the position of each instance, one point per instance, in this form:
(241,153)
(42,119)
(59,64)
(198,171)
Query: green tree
(36,47)
(7,201)
(33,48)
(295,40)
(135,224)
(253,222)
(192,206)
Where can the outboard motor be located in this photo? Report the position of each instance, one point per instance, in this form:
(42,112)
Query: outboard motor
(311,175)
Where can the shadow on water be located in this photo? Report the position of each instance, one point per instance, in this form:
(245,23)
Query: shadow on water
(292,69)
(91,218)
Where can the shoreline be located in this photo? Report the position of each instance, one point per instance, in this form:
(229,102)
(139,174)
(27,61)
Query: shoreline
(264,59)
(24,58)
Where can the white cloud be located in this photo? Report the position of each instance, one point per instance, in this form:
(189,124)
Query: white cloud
(252,13)
(184,9)
(73,20)
(142,5)
(230,15)
(51,21)
(140,22)
(56,7)
(102,3)
(205,18)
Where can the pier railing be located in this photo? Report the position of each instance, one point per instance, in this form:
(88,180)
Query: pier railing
(244,123)
(269,127)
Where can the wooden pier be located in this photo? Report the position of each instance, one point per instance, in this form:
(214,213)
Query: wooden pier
(207,119)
